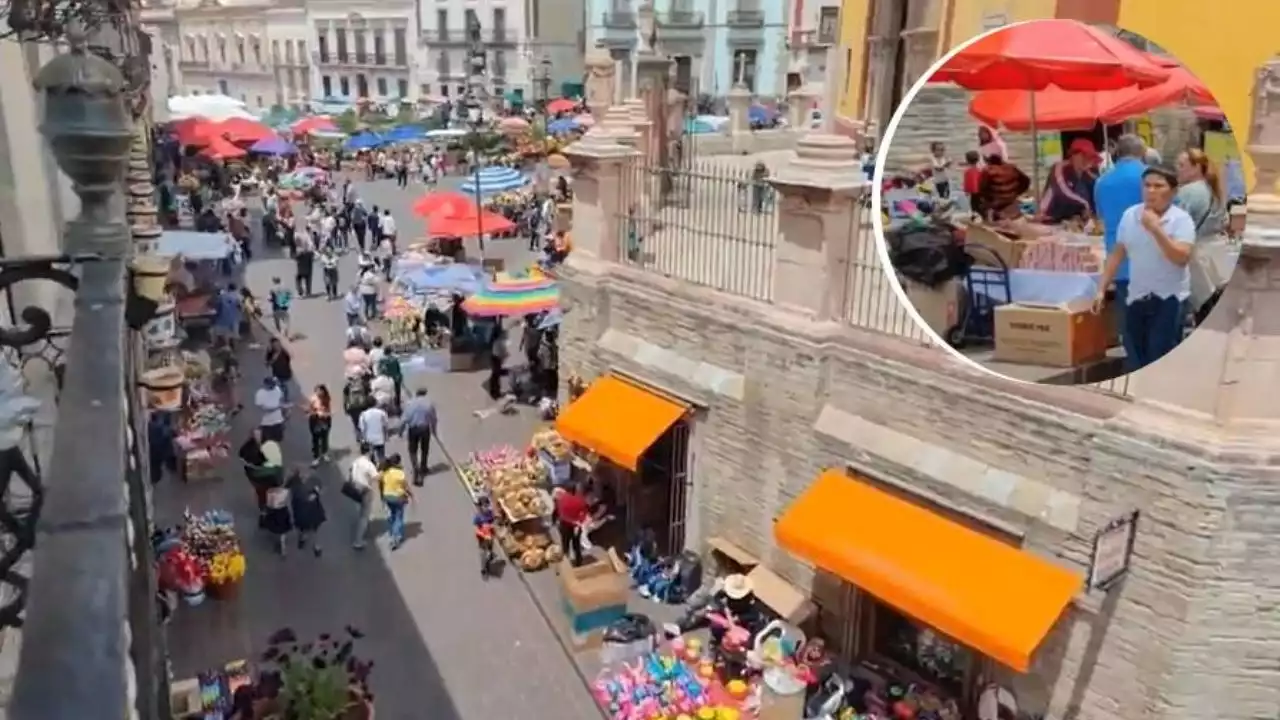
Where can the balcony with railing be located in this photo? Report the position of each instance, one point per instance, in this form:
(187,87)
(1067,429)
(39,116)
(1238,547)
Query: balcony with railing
(620,19)
(79,524)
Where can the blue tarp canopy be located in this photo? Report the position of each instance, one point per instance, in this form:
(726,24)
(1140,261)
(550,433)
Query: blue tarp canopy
(563,126)
(364,141)
(465,279)
(405,133)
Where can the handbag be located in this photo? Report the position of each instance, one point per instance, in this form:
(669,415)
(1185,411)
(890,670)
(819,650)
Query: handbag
(353,491)
(277,498)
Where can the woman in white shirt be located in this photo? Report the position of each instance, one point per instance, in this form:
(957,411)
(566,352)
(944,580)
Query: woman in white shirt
(363,477)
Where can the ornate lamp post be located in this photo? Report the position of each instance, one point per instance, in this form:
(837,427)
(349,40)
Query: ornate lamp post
(544,79)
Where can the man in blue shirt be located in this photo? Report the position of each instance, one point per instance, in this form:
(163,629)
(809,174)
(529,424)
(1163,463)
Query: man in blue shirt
(1114,193)
(228,312)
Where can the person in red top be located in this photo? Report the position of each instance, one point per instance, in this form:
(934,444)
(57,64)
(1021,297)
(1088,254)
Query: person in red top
(572,513)
(972,183)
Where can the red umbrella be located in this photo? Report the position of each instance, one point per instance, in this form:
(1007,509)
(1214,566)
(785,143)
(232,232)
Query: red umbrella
(243,130)
(312,124)
(193,131)
(220,148)
(1180,87)
(485,223)
(1044,53)
(445,203)
(560,105)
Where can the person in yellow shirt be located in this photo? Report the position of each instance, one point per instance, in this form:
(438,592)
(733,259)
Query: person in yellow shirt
(396,495)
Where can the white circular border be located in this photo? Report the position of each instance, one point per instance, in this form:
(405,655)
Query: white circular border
(877,220)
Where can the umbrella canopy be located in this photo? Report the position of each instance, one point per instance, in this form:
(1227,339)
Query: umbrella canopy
(312,124)
(274,145)
(1209,112)
(759,114)
(1043,53)
(493,180)
(586,120)
(222,149)
(193,131)
(513,124)
(521,281)
(496,301)
(445,204)
(558,162)
(1180,87)
(404,133)
(364,141)
(241,130)
(560,105)
(465,279)
(472,224)
(563,126)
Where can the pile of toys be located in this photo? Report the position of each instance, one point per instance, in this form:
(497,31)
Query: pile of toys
(666,684)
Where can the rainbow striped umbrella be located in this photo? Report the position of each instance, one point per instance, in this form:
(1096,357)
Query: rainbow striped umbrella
(512,295)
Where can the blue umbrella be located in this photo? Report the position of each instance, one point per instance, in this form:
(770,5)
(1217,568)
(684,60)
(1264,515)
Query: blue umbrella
(405,133)
(273,146)
(563,126)
(363,141)
(760,115)
(493,180)
(464,279)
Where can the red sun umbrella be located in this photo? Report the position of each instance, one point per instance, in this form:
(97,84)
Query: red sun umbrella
(1180,87)
(485,223)
(560,105)
(220,148)
(193,131)
(243,130)
(306,125)
(444,203)
(1051,109)
(1045,53)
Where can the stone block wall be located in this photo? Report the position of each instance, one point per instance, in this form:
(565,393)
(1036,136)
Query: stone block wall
(1191,633)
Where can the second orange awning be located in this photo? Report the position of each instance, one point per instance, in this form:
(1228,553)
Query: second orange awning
(618,420)
(992,597)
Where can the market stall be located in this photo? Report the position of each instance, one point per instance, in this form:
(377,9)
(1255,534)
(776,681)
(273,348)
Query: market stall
(200,558)
(516,484)
(202,422)
(207,263)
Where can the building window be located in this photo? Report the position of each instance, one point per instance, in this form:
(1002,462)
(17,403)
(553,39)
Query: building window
(340,40)
(259,99)
(379,49)
(462,90)
(326,86)
(444,91)
(442,24)
(402,87)
(828,25)
(401,47)
(275,51)
(240,51)
(344,86)
(322,43)
(362,55)
(223,89)
(257,52)
(362,86)
(499,24)
(936,659)
(222,50)
(290,82)
(302,52)
(499,63)
(470,20)
(382,87)
(684,74)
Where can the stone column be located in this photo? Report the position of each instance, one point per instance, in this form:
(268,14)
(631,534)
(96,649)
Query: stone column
(601,83)
(799,103)
(653,74)
(820,226)
(739,109)
(599,186)
(880,60)
(619,123)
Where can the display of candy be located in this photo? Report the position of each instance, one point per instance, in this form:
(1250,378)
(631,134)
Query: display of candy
(209,534)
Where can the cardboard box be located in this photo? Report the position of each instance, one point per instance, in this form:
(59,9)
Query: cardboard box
(939,306)
(595,594)
(1007,249)
(1063,335)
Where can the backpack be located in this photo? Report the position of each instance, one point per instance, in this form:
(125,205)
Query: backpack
(355,396)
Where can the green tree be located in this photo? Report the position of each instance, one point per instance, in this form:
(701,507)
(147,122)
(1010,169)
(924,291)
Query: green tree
(348,122)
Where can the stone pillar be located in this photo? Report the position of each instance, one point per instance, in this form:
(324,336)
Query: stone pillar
(620,125)
(819,219)
(653,74)
(880,80)
(739,110)
(599,187)
(601,83)
(799,103)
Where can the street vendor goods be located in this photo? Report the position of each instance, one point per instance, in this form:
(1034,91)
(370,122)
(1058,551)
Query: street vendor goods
(203,553)
(661,685)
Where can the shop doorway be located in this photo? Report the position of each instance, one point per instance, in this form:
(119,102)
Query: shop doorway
(665,468)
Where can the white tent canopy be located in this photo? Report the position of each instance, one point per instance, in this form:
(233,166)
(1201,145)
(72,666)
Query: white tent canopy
(211,107)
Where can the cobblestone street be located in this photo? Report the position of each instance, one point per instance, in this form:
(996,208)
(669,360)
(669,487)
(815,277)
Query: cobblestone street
(447,645)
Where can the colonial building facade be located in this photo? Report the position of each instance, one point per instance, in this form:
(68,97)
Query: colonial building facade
(505,31)
(364,50)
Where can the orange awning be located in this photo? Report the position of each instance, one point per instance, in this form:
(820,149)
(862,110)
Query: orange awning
(618,420)
(992,597)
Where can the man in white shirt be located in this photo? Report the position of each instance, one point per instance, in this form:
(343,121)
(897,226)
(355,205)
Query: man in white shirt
(368,287)
(269,400)
(328,230)
(384,391)
(364,478)
(374,424)
(1156,238)
(389,228)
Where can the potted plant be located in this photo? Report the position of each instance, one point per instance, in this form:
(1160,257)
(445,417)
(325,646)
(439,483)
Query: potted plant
(319,680)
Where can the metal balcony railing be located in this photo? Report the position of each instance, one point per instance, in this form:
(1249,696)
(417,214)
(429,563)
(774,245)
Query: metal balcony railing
(746,18)
(621,19)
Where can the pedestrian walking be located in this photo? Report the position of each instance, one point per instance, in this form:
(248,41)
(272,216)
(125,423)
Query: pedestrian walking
(307,506)
(320,423)
(329,266)
(420,420)
(280,363)
(255,469)
(396,495)
(304,260)
(388,226)
(497,362)
(359,224)
(270,401)
(356,398)
(353,306)
(281,299)
(375,425)
(363,482)
(278,518)
(369,293)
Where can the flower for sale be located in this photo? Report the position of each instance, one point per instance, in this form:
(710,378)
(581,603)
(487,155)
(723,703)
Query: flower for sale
(226,567)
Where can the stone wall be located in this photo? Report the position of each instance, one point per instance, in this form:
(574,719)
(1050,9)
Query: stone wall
(1185,636)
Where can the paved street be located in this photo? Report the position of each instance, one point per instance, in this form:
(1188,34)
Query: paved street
(447,645)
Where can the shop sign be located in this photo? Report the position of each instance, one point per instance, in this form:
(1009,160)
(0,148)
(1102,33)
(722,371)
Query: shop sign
(1112,551)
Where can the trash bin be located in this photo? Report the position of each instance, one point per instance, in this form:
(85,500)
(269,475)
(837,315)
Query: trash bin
(782,697)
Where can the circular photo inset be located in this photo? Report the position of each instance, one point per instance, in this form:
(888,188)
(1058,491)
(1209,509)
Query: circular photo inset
(1060,203)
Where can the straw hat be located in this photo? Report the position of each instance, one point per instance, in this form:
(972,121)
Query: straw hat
(737,586)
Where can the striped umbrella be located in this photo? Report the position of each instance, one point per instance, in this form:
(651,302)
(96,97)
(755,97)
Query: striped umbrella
(514,295)
(493,180)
